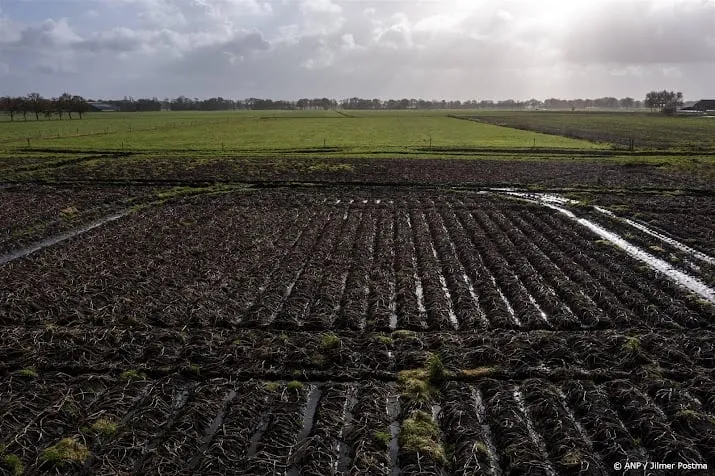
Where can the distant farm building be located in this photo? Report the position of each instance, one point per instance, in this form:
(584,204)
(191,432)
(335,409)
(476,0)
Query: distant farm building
(102,107)
(703,105)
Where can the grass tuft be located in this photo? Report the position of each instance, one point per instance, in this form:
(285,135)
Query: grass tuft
(632,344)
(104,426)
(383,438)
(132,375)
(295,385)
(420,433)
(403,334)
(272,386)
(416,390)
(323,167)
(572,459)
(435,369)
(14,464)
(69,213)
(29,372)
(383,339)
(66,451)
(480,447)
(329,341)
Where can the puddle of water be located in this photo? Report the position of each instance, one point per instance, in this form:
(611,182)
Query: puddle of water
(535,438)
(486,431)
(258,435)
(475,298)
(671,241)
(344,449)
(212,430)
(685,280)
(393,412)
(309,412)
(180,399)
(693,284)
(267,280)
(419,292)
(538,308)
(311,406)
(579,428)
(296,278)
(218,421)
(393,307)
(443,282)
(450,310)
(436,410)
(59,238)
(506,302)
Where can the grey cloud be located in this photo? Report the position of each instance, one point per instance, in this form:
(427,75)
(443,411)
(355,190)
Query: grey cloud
(497,49)
(219,58)
(48,34)
(641,33)
(119,39)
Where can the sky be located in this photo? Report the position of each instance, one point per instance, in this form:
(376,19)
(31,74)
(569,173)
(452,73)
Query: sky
(288,49)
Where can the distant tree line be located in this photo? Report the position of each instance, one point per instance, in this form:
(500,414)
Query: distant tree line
(667,102)
(183,103)
(35,105)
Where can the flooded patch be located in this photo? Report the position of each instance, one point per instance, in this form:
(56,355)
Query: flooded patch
(393,412)
(538,308)
(445,290)
(535,437)
(309,412)
(59,238)
(419,292)
(258,435)
(691,283)
(666,239)
(311,407)
(481,413)
(212,430)
(344,450)
(506,302)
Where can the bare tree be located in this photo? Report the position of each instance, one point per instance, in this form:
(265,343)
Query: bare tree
(36,104)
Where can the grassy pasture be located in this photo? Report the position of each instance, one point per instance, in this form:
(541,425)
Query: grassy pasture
(272,131)
(648,131)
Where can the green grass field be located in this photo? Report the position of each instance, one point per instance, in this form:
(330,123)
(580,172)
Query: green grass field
(164,141)
(272,131)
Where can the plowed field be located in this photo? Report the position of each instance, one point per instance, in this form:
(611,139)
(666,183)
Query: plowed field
(356,330)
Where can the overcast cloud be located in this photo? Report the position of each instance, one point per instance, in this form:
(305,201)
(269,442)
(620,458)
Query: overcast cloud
(287,49)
